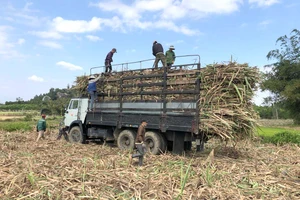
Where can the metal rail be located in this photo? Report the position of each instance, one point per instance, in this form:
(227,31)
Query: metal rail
(147,60)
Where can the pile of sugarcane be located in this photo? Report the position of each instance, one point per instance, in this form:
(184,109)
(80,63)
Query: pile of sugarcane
(180,79)
(225,102)
(225,95)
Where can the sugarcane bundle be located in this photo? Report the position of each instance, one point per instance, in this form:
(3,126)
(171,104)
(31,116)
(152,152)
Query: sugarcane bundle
(110,85)
(225,101)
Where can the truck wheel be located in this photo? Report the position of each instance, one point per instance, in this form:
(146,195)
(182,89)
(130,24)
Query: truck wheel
(126,139)
(155,142)
(164,143)
(75,135)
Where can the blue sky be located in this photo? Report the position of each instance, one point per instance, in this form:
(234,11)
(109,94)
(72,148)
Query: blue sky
(46,44)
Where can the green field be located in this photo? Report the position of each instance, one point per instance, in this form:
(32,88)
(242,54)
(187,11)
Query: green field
(271,131)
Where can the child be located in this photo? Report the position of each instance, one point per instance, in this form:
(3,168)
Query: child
(41,127)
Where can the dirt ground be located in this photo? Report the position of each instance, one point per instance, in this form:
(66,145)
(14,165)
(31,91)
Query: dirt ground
(59,170)
(3,117)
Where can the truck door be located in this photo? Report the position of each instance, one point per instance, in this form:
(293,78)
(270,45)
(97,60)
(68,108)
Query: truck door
(71,112)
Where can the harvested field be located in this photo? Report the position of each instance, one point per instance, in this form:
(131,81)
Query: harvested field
(60,170)
(276,122)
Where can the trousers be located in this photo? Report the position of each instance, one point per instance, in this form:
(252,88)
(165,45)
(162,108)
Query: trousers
(141,149)
(93,95)
(159,57)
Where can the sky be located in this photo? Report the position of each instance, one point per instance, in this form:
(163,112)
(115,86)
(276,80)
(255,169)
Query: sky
(47,44)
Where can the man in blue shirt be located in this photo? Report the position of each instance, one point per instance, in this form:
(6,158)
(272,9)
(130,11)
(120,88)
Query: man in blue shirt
(92,90)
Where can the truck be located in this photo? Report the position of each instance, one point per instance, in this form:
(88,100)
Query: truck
(172,124)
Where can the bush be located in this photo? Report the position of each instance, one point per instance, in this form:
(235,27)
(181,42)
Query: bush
(28,117)
(283,138)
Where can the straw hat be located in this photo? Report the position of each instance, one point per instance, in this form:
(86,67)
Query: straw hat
(172,47)
(92,77)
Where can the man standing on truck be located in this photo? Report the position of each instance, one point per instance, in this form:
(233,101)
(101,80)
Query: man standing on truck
(92,90)
(41,127)
(139,142)
(109,60)
(170,56)
(158,52)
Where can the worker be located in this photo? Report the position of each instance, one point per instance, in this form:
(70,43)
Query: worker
(158,52)
(139,142)
(170,56)
(109,60)
(92,90)
(41,127)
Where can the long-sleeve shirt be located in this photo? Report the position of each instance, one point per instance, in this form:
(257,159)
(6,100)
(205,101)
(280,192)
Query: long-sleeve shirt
(109,57)
(170,56)
(41,125)
(157,48)
(140,137)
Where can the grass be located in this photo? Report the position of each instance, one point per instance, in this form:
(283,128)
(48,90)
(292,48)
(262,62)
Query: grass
(271,131)
(279,135)
(28,124)
(11,126)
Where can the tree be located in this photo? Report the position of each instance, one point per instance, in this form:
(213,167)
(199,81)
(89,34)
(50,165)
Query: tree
(19,100)
(283,80)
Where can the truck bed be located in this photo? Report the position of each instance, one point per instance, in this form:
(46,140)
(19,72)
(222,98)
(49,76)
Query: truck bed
(178,116)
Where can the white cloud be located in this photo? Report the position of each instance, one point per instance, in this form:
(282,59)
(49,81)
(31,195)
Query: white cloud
(76,26)
(263,3)
(36,78)
(93,38)
(163,13)
(24,15)
(6,46)
(170,9)
(169,25)
(21,41)
(142,14)
(69,66)
(50,44)
(47,34)
(212,6)
(126,11)
(265,23)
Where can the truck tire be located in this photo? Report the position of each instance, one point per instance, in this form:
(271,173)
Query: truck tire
(164,143)
(75,135)
(155,142)
(126,139)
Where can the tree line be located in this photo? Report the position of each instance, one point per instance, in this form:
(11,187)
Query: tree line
(53,102)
